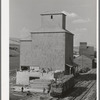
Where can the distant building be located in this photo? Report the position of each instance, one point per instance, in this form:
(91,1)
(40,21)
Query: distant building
(86,50)
(83,62)
(51,46)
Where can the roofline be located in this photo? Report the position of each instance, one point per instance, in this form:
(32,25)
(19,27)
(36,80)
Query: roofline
(52,32)
(48,32)
(25,40)
(69,32)
(52,14)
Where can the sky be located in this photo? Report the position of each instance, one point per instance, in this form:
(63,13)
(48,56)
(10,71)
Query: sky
(81,17)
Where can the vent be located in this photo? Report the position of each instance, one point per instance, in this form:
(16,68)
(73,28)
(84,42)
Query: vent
(51,16)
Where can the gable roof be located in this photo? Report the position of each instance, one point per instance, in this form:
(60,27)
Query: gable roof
(83,61)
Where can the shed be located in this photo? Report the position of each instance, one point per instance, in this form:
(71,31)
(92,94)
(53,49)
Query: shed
(83,62)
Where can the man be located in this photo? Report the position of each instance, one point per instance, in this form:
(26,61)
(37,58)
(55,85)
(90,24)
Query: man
(22,89)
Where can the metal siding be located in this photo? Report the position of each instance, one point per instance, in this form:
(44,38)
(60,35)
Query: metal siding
(25,53)
(56,21)
(69,49)
(48,50)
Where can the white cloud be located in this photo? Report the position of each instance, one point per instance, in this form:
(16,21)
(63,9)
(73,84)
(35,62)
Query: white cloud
(70,14)
(24,32)
(79,30)
(74,15)
(81,20)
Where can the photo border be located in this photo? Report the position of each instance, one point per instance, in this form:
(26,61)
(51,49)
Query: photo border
(4,52)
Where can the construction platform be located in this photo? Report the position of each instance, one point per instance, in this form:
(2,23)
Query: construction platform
(84,89)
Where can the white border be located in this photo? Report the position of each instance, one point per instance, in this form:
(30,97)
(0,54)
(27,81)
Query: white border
(5,50)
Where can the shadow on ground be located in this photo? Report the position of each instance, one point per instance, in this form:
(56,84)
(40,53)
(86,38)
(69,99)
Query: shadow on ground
(77,91)
(86,77)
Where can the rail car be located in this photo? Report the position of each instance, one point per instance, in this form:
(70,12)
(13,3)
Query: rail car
(62,86)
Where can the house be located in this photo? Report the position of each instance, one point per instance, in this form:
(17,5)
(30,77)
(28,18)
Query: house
(86,50)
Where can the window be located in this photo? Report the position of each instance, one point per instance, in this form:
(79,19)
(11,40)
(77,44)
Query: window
(25,68)
(51,17)
(33,78)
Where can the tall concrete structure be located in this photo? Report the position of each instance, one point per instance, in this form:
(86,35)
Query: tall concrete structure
(86,50)
(51,46)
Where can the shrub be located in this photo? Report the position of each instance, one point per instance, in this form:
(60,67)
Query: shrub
(84,70)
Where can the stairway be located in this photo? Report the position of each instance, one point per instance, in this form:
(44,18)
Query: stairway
(40,84)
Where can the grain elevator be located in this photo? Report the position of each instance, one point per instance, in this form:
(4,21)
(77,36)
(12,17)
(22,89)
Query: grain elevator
(50,46)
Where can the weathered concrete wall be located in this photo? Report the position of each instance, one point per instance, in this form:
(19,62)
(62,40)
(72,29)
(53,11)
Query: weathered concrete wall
(55,21)
(25,53)
(69,49)
(48,50)
(22,78)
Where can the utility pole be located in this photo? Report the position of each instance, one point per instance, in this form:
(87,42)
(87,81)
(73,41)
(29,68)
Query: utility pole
(82,58)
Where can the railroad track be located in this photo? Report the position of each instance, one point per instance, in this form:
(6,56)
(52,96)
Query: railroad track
(74,94)
(87,96)
(86,84)
(81,84)
(86,92)
(89,86)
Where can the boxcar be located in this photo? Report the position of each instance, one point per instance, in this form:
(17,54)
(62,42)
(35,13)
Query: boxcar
(62,86)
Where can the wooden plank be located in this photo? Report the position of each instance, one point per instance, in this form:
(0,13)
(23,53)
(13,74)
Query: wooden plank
(91,95)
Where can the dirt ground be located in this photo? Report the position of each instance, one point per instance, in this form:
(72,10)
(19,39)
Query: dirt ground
(85,88)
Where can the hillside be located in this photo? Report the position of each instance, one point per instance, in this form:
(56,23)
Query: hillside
(14,53)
